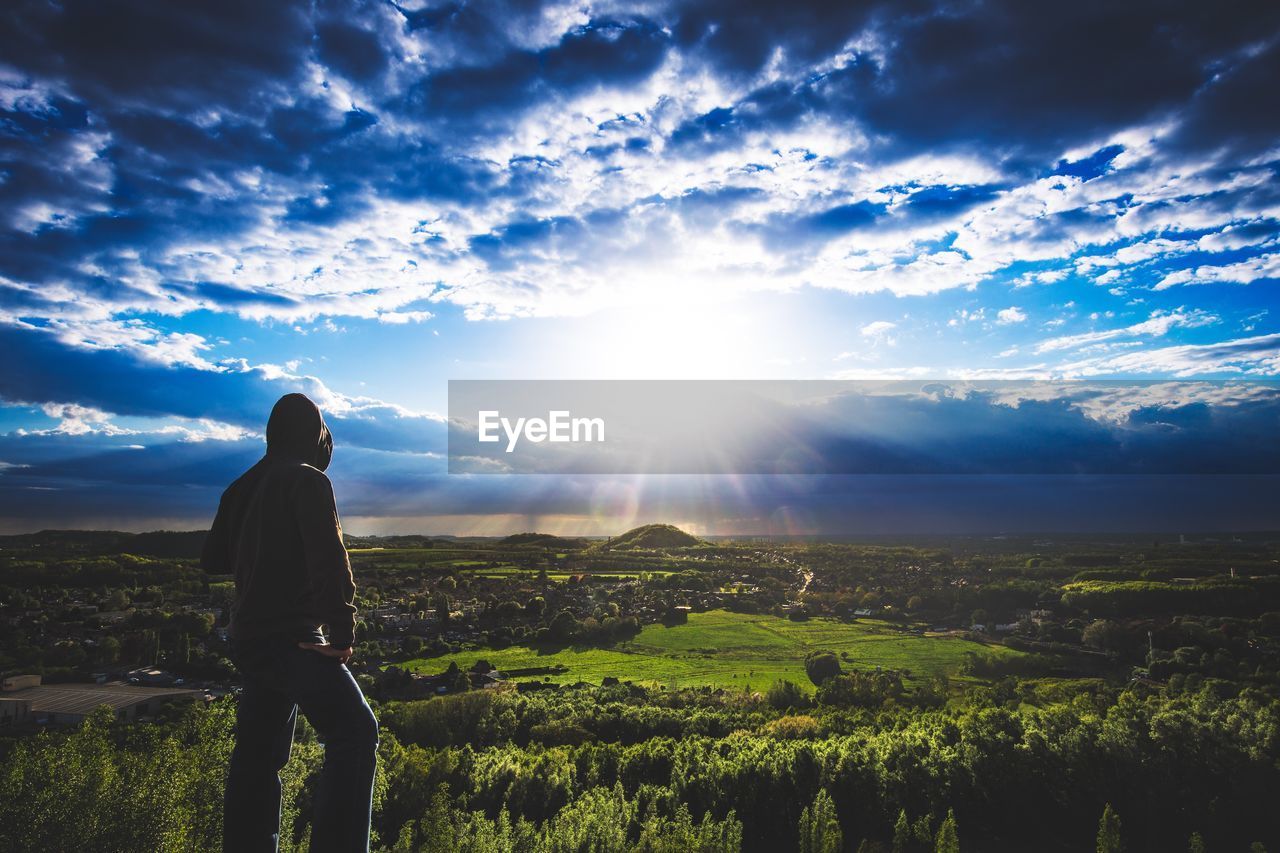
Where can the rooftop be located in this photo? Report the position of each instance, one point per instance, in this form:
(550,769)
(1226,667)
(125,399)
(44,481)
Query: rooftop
(83,698)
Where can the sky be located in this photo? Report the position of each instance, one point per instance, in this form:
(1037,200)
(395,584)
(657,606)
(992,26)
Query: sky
(206,205)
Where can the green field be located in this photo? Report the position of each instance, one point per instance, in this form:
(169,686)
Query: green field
(726,649)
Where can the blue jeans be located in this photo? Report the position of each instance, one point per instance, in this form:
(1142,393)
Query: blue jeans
(279,679)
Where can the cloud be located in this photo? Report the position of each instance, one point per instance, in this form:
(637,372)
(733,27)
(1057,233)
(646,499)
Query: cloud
(171,173)
(360,160)
(877,329)
(119,382)
(1258,355)
(1245,272)
(1157,325)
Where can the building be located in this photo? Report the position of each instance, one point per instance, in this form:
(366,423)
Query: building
(14,712)
(23,699)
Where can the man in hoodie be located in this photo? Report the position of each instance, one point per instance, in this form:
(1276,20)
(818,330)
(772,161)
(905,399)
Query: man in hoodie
(277,531)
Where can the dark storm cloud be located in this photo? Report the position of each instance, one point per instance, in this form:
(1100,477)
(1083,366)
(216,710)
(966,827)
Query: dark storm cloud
(44,370)
(981,433)
(43,141)
(177,55)
(121,461)
(601,53)
(778,106)
(1025,78)
(181,97)
(183,101)
(742,37)
(1240,110)
(352,51)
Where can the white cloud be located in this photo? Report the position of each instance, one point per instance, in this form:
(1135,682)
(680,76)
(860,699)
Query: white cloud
(1012,314)
(1244,272)
(1157,325)
(1255,356)
(79,420)
(1234,237)
(878,328)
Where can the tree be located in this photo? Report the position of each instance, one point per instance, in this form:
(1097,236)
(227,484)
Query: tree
(456,680)
(1196,843)
(508,610)
(564,626)
(109,650)
(948,840)
(1104,635)
(440,602)
(821,665)
(902,833)
(786,694)
(860,689)
(1109,840)
(435,829)
(820,826)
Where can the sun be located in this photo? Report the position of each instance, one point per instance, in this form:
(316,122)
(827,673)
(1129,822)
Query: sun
(678,340)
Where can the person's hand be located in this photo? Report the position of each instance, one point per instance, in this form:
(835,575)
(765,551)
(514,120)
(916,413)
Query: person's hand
(340,655)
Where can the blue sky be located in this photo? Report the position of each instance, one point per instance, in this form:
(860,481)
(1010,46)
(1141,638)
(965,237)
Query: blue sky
(208,205)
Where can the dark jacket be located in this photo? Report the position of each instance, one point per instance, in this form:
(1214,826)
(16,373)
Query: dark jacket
(277,531)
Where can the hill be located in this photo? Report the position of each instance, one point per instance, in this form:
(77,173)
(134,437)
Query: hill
(65,541)
(184,544)
(542,540)
(651,537)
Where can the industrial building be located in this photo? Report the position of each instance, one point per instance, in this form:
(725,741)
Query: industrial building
(24,700)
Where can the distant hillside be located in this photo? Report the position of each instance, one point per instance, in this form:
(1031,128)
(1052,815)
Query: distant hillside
(651,537)
(406,541)
(543,540)
(164,543)
(158,543)
(66,541)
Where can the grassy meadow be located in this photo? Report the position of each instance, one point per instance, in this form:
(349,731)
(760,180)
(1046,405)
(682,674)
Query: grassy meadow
(725,649)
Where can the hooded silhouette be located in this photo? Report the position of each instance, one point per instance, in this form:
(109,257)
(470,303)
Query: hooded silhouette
(277,530)
(296,430)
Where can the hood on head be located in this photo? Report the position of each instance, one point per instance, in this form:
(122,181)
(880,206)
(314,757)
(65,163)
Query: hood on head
(296,430)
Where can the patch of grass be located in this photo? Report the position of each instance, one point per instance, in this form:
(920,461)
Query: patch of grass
(725,649)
